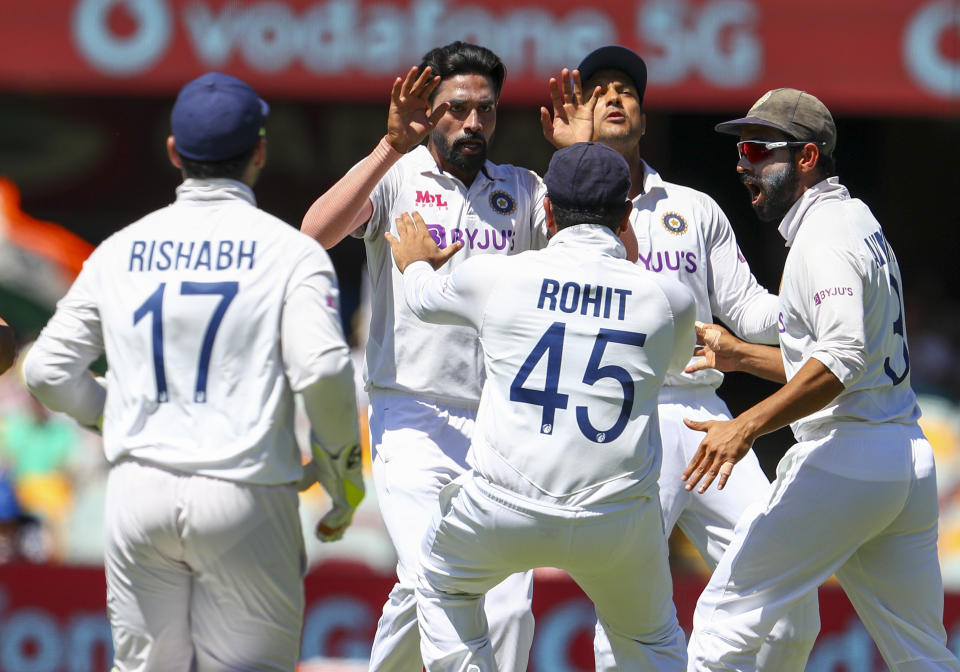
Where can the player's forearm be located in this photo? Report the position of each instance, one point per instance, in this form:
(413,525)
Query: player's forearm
(346,205)
(64,384)
(432,298)
(763,361)
(331,406)
(813,387)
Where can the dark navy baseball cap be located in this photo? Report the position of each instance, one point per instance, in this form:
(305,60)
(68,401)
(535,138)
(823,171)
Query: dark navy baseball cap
(615,57)
(217,117)
(587,176)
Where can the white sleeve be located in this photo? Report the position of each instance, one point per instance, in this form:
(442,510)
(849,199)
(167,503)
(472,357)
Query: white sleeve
(539,236)
(57,367)
(683,306)
(838,322)
(735,295)
(316,357)
(458,298)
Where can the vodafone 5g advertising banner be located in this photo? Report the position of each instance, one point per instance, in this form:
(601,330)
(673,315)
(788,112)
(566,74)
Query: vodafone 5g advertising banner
(873,56)
(52,619)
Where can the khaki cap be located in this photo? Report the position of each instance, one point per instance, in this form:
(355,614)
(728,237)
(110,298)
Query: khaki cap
(796,113)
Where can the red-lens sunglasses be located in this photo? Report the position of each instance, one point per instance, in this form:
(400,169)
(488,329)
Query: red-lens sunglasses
(758,150)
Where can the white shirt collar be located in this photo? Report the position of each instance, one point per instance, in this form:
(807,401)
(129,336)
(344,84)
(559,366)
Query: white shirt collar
(594,236)
(215,189)
(829,189)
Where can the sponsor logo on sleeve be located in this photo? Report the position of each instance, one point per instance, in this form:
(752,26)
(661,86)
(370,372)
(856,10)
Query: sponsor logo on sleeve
(824,294)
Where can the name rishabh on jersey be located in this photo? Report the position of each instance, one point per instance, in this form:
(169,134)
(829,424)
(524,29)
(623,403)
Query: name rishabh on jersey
(576,343)
(189,300)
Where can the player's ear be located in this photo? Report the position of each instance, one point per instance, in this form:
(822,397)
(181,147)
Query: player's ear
(260,152)
(551,222)
(172,153)
(808,157)
(625,221)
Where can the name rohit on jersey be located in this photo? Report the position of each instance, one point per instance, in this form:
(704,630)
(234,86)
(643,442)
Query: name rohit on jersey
(179,255)
(584,299)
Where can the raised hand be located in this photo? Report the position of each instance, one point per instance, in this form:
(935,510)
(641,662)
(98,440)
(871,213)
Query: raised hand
(410,119)
(572,118)
(416,244)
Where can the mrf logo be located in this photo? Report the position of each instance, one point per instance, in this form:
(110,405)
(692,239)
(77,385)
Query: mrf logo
(425,198)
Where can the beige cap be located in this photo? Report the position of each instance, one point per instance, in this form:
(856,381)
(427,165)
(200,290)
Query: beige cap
(796,113)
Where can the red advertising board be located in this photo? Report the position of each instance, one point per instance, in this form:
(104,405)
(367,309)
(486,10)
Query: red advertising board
(52,619)
(875,56)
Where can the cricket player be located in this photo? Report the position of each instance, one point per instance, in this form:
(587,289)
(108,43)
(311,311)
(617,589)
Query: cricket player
(576,342)
(856,495)
(8,346)
(683,234)
(212,314)
(424,380)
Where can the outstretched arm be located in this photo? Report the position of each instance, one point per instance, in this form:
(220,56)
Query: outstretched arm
(726,442)
(723,351)
(346,205)
(572,118)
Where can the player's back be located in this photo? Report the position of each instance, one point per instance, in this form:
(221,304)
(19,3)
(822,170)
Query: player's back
(190,298)
(576,344)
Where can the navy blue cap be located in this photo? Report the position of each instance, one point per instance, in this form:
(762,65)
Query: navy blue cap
(587,176)
(615,57)
(9,507)
(216,117)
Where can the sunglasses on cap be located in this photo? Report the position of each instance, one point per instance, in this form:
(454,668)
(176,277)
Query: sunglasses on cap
(758,150)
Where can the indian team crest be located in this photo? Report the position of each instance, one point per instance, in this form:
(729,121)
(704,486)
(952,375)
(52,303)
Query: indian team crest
(502,202)
(674,223)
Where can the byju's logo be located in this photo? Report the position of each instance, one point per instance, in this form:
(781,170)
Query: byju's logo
(439,235)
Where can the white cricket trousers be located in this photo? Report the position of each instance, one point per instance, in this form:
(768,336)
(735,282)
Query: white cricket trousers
(202,574)
(418,448)
(708,519)
(859,502)
(482,533)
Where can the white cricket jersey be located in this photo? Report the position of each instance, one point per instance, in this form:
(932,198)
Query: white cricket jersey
(188,304)
(841,302)
(683,234)
(501,213)
(576,343)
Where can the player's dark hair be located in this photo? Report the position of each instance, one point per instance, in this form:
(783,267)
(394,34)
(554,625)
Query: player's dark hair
(232,168)
(463,58)
(609,217)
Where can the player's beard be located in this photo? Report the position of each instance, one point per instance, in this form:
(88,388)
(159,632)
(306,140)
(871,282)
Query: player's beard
(778,190)
(453,154)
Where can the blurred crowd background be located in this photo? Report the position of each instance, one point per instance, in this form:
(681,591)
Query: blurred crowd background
(82,155)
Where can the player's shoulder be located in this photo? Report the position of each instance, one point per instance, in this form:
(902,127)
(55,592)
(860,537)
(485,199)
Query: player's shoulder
(677,294)
(681,193)
(507,172)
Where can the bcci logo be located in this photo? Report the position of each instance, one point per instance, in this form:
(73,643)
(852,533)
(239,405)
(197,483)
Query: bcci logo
(674,223)
(502,203)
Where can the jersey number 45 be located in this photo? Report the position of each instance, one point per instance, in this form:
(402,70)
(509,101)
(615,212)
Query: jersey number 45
(550,398)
